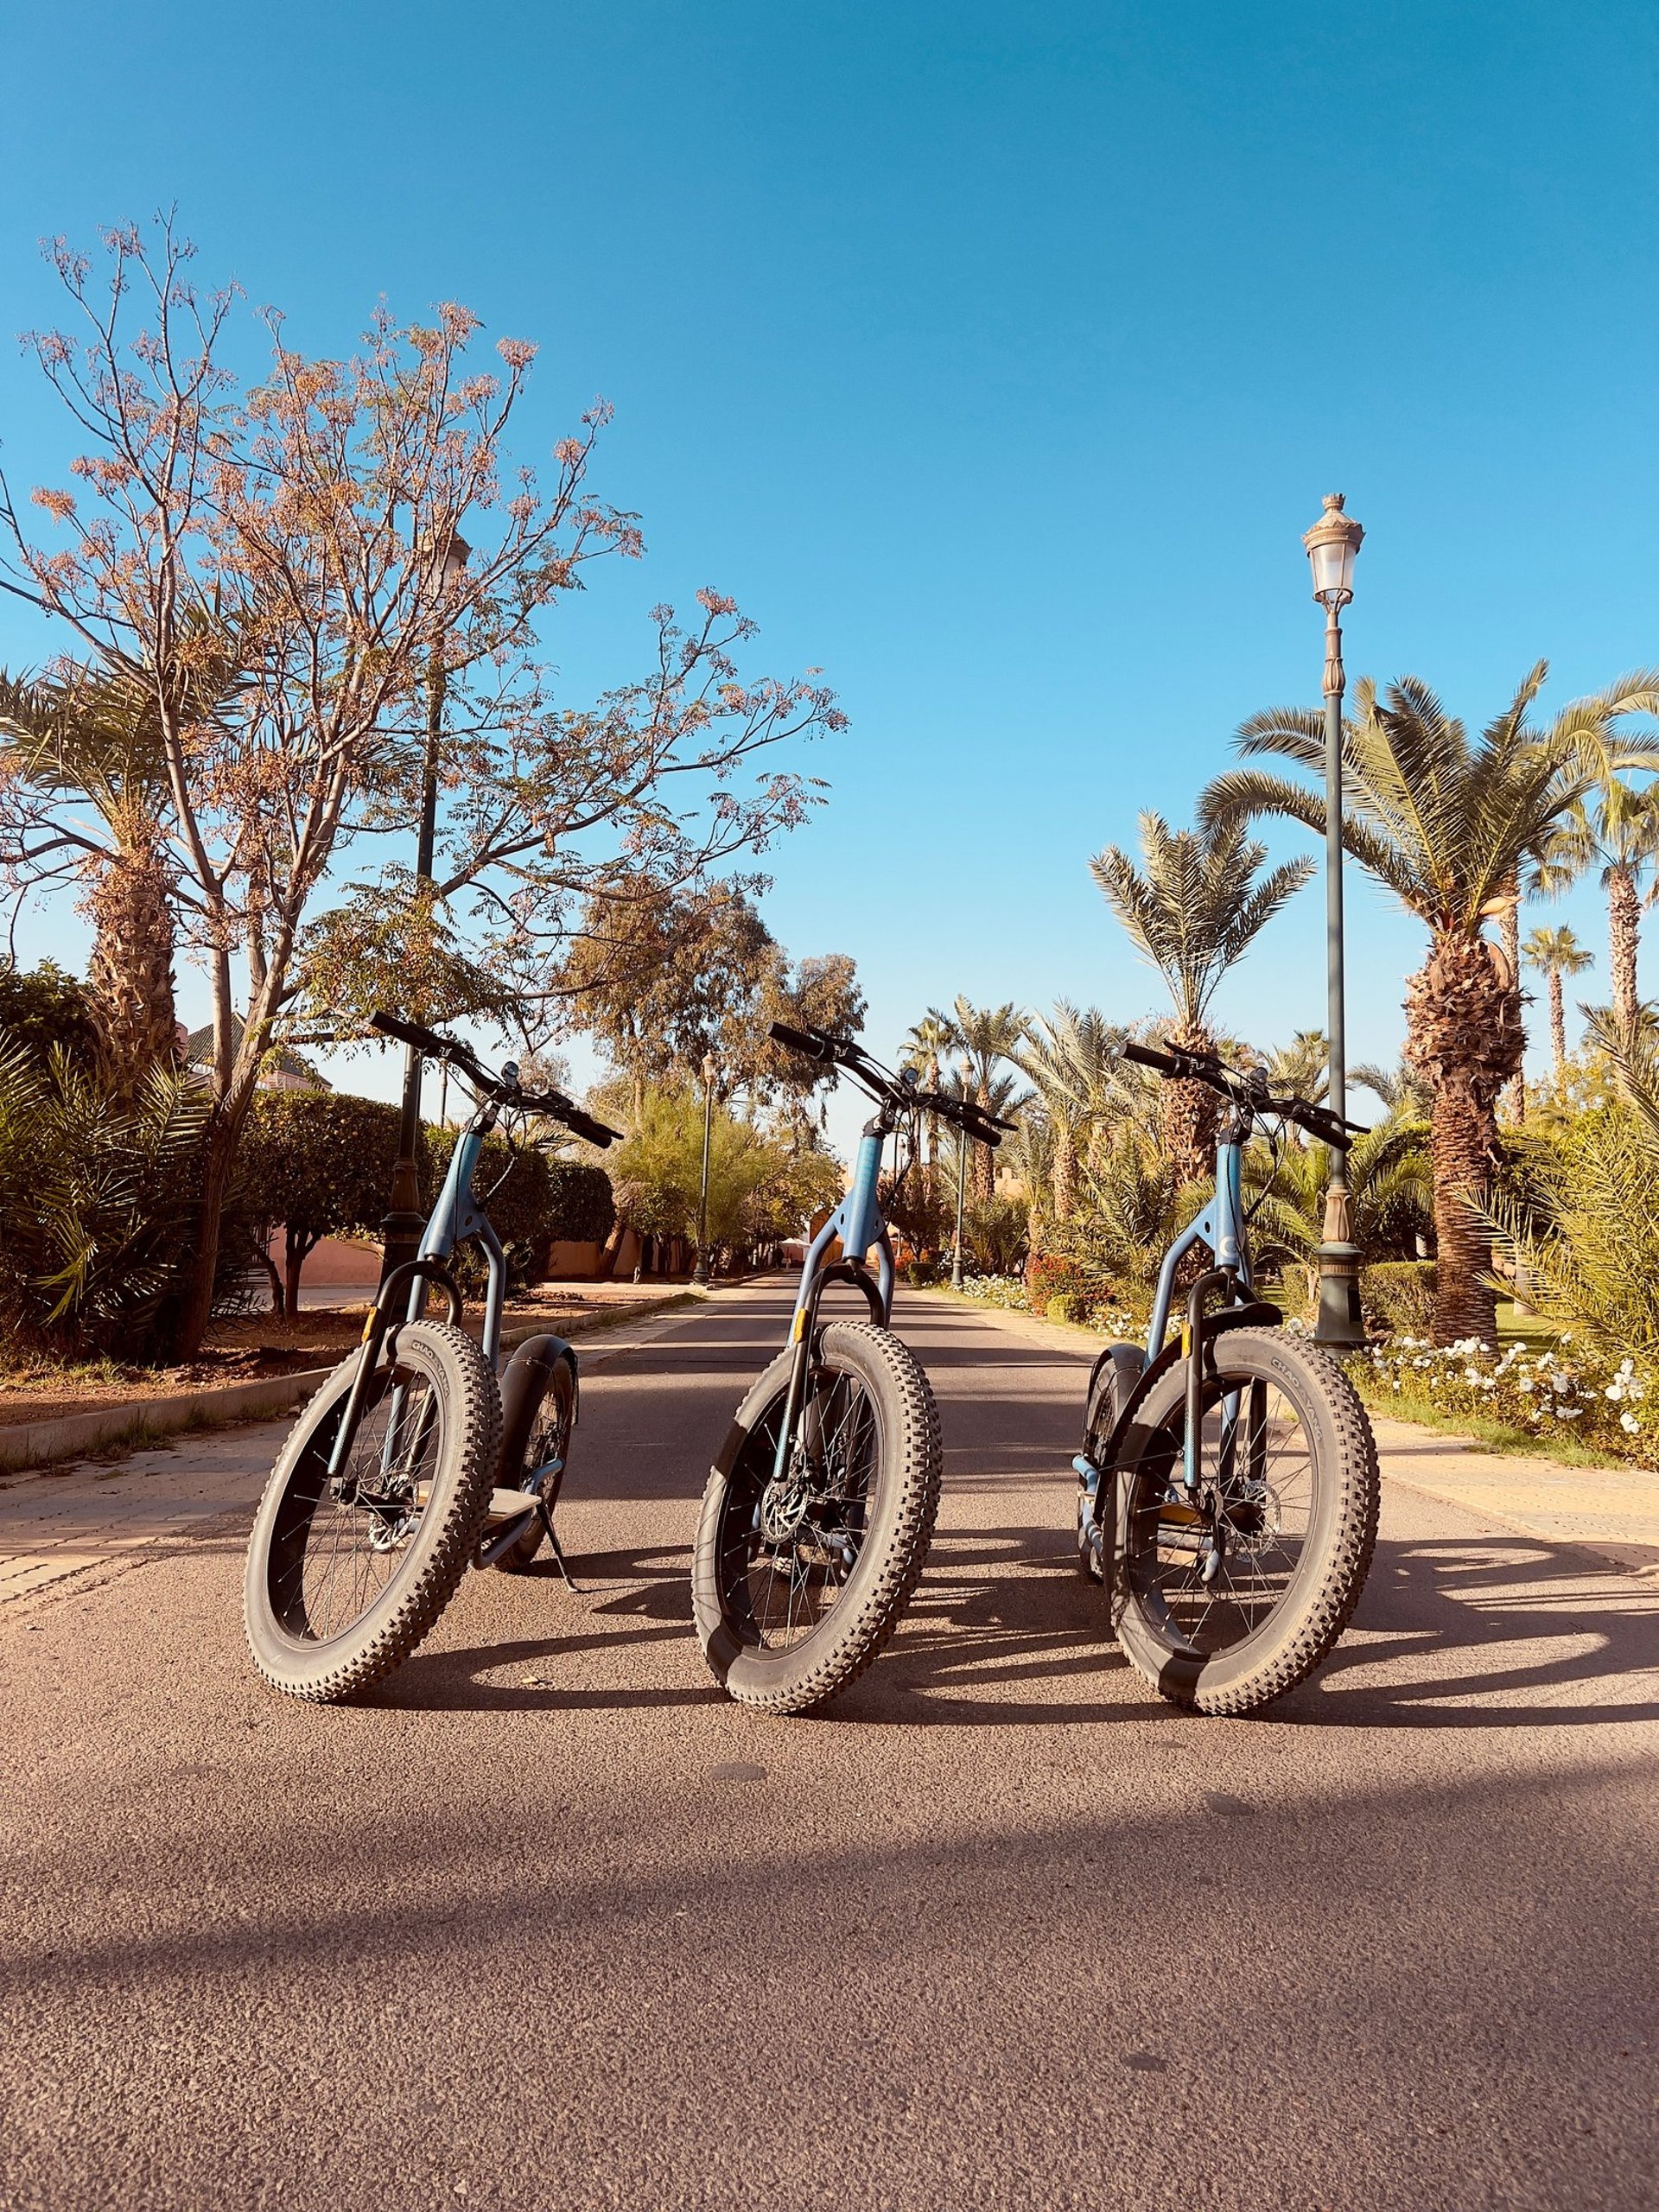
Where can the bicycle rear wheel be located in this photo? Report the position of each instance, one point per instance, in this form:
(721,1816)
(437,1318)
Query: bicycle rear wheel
(797,1582)
(344,1578)
(1230,1600)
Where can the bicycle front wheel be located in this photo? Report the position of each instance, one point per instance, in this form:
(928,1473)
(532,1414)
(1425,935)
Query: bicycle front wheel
(798,1580)
(1229,1598)
(346,1576)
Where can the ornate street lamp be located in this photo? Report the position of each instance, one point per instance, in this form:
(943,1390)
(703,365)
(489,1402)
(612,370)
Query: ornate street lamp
(401,1230)
(700,1273)
(1331,546)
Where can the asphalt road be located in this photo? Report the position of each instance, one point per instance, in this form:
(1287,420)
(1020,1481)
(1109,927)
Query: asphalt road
(552,1924)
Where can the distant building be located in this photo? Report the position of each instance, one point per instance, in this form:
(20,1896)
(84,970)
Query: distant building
(283,1070)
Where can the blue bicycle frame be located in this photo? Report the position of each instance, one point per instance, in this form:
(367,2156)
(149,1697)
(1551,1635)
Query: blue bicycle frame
(857,1222)
(1220,1226)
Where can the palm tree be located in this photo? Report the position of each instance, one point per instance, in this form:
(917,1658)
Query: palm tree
(1072,1061)
(1615,825)
(85,738)
(986,1036)
(924,1043)
(1192,911)
(1555,953)
(1446,823)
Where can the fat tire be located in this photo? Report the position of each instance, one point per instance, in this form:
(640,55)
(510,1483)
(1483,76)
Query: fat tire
(806,1677)
(1303,1627)
(340,1669)
(1116,1377)
(518,1558)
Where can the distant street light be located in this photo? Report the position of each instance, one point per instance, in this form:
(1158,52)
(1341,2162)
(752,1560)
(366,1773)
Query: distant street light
(962,1193)
(700,1273)
(1331,546)
(401,1231)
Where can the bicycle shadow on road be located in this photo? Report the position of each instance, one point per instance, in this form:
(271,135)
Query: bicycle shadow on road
(1482,1632)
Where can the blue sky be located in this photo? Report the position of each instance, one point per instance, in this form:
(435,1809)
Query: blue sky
(994,357)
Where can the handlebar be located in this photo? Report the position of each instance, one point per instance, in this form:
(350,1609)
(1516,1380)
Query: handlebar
(505,1087)
(896,1090)
(1246,1092)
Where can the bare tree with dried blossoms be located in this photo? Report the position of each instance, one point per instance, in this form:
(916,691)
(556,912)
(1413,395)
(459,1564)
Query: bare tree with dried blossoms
(307,519)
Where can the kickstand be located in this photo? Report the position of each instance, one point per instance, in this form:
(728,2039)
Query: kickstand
(558,1548)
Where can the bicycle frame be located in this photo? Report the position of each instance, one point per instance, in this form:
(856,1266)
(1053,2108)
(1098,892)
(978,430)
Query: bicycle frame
(1221,1226)
(857,1222)
(456,1216)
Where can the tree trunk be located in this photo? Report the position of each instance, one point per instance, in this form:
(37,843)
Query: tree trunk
(1623,911)
(1464,1035)
(1558,1032)
(130,973)
(1065,1173)
(218,1166)
(982,1161)
(1190,1111)
(298,1249)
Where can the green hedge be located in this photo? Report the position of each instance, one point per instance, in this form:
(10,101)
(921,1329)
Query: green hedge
(319,1163)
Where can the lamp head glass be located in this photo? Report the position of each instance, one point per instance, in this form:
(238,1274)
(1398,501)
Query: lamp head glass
(1331,546)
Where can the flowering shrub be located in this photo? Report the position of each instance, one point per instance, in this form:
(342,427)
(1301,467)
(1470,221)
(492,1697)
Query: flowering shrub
(1095,1306)
(1558,1393)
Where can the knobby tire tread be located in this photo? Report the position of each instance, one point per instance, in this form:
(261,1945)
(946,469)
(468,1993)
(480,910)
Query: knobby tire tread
(859,1642)
(1343,1578)
(474,1432)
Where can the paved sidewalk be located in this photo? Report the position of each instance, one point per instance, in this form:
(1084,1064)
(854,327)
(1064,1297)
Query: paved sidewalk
(87,1519)
(1612,1511)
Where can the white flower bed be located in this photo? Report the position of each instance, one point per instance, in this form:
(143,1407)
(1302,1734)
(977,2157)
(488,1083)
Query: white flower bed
(1555,1392)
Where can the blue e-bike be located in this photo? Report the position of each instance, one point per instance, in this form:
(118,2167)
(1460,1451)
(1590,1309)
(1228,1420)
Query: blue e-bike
(412,1462)
(820,1507)
(1228,1485)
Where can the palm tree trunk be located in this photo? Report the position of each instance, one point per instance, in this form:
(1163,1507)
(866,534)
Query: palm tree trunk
(1624,922)
(130,973)
(1558,1031)
(1065,1173)
(1190,1111)
(982,1160)
(1464,1034)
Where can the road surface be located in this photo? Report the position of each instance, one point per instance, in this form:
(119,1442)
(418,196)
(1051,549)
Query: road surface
(552,1924)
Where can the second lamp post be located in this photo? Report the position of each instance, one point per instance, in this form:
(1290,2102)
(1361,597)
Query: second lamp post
(1331,546)
(700,1273)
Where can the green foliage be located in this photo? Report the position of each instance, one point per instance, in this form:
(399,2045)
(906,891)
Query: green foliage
(45,1005)
(98,1203)
(580,1205)
(994,1230)
(1391,1191)
(1398,1296)
(1194,907)
(761,1189)
(320,1161)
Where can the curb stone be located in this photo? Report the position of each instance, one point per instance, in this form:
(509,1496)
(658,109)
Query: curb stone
(26,1446)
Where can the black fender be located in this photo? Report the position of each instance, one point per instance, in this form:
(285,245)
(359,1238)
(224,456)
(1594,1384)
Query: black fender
(523,1388)
(1257,1314)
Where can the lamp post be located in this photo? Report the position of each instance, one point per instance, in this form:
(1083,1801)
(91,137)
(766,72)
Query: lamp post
(962,1193)
(700,1273)
(1331,546)
(401,1230)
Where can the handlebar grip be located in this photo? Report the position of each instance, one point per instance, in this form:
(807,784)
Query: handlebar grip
(813,1045)
(1148,1057)
(590,1131)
